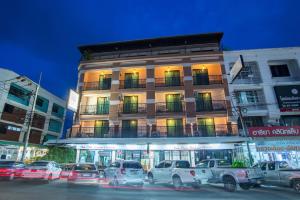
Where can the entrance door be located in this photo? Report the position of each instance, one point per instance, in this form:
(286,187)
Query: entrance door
(129,128)
(172,78)
(102,105)
(173,103)
(101,128)
(130,104)
(206,126)
(131,80)
(203,102)
(174,127)
(200,77)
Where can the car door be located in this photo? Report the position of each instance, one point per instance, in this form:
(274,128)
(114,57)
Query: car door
(157,171)
(272,175)
(166,172)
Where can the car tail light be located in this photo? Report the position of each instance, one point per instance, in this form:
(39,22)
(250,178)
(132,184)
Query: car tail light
(123,171)
(192,172)
(73,174)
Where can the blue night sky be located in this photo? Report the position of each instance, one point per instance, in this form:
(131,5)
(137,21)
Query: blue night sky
(42,36)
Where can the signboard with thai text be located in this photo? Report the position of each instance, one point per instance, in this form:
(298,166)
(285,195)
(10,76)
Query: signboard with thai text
(274,131)
(288,97)
(278,146)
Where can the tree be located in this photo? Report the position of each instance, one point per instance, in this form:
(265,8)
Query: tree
(60,155)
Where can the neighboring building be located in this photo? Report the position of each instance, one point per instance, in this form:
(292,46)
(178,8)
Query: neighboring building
(267,91)
(154,99)
(16,101)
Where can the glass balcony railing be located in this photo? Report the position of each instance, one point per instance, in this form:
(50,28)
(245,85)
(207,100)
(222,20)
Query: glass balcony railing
(101,109)
(207,80)
(207,106)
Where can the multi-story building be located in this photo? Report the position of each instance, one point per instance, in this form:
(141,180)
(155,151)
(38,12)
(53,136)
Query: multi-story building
(153,99)
(267,92)
(16,102)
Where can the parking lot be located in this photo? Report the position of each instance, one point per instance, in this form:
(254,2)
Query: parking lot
(58,190)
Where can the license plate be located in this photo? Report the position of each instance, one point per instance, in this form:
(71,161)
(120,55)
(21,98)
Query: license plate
(86,175)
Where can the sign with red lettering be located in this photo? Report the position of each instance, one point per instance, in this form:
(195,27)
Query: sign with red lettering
(274,131)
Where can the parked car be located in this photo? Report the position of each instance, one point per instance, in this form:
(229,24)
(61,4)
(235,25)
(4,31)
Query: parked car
(66,170)
(42,170)
(279,173)
(125,172)
(220,171)
(177,172)
(11,169)
(85,173)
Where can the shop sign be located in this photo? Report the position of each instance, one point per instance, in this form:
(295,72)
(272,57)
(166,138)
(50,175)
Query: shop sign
(274,131)
(190,146)
(112,146)
(288,97)
(278,146)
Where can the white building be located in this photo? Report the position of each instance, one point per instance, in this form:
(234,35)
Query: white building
(267,91)
(16,101)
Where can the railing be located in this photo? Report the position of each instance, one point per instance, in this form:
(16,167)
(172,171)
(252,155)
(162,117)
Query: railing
(101,109)
(104,85)
(207,80)
(217,130)
(109,132)
(215,105)
(169,81)
(170,107)
(132,83)
(131,108)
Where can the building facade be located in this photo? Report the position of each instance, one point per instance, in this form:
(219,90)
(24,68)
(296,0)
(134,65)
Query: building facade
(267,92)
(16,102)
(154,99)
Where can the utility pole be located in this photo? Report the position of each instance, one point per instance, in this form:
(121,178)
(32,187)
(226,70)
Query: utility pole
(27,134)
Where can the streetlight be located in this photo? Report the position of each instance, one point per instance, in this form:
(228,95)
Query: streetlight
(27,134)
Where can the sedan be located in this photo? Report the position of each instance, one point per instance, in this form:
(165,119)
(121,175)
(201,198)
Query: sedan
(11,169)
(86,173)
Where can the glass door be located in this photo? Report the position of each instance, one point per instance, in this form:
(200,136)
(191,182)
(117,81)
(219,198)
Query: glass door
(131,80)
(101,128)
(130,104)
(173,103)
(129,128)
(172,78)
(206,126)
(104,82)
(174,127)
(200,77)
(203,102)
(102,105)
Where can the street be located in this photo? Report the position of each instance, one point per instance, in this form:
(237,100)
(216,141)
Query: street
(58,190)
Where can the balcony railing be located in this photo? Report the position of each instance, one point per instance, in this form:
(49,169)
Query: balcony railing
(207,80)
(169,81)
(207,106)
(132,83)
(101,109)
(105,85)
(132,108)
(217,130)
(170,107)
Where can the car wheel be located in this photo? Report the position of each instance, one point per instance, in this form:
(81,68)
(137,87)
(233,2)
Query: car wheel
(296,186)
(11,177)
(50,178)
(150,178)
(229,184)
(245,186)
(196,185)
(177,183)
(115,182)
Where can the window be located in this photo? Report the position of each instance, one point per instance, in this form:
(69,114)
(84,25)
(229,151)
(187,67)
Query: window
(58,111)
(42,104)
(182,164)
(283,165)
(279,70)
(85,167)
(133,165)
(54,126)
(264,166)
(115,164)
(168,164)
(19,94)
(223,163)
(39,102)
(203,164)
(271,166)
(211,164)
(161,165)
(247,97)
(8,108)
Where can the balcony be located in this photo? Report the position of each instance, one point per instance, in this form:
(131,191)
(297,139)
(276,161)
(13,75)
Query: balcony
(209,106)
(170,107)
(102,109)
(207,80)
(132,83)
(104,85)
(132,108)
(169,81)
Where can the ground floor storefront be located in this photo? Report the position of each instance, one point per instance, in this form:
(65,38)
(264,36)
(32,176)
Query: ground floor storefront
(151,154)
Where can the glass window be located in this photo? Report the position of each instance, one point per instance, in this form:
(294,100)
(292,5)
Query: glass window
(55,125)
(85,167)
(223,163)
(168,164)
(283,165)
(133,165)
(211,164)
(42,104)
(245,97)
(58,110)
(271,166)
(19,94)
(39,164)
(279,70)
(161,165)
(182,164)
(203,164)
(264,166)
(115,164)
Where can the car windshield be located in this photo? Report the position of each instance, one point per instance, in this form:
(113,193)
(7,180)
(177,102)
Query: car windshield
(39,164)
(133,165)
(182,164)
(202,164)
(6,164)
(115,164)
(223,163)
(85,167)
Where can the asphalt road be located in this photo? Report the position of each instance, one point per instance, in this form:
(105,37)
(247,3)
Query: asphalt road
(58,190)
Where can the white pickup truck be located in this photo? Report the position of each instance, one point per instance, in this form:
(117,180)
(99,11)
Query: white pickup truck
(220,171)
(176,172)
